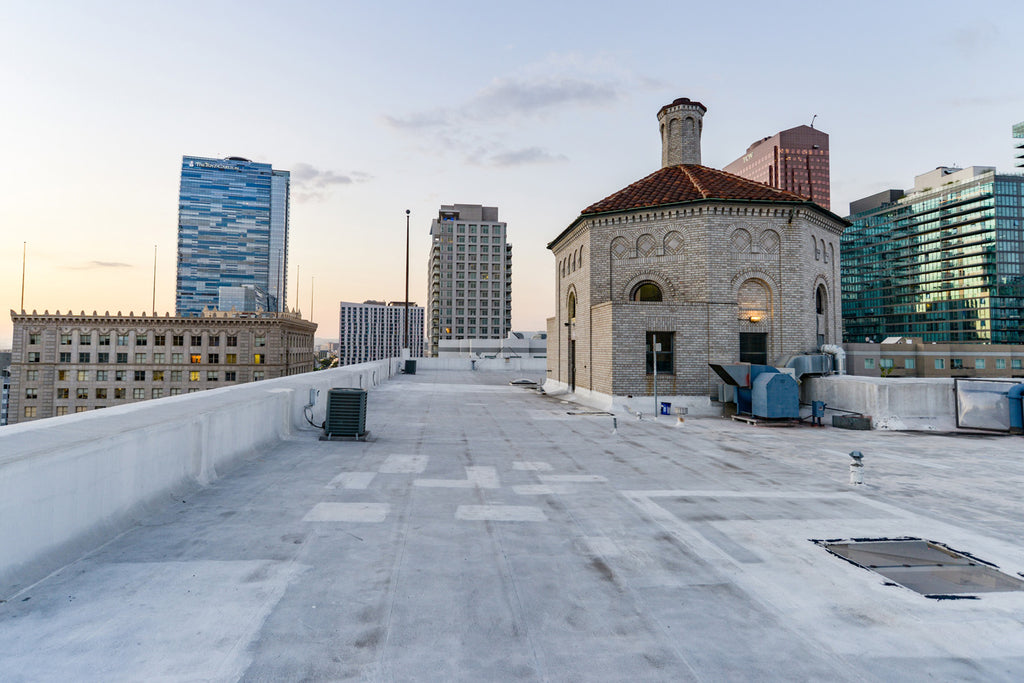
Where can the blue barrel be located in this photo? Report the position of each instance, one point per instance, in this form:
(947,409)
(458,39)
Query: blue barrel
(1016,397)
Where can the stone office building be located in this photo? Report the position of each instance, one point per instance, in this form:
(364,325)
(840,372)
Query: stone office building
(710,266)
(72,363)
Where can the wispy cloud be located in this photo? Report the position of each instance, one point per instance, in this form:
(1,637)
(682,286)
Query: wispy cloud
(505,98)
(94,265)
(528,155)
(312,184)
(479,127)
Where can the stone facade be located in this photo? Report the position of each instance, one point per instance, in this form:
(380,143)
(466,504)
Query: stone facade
(724,267)
(72,363)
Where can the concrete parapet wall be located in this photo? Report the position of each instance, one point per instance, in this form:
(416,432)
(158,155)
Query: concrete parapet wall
(530,366)
(69,483)
(896,404)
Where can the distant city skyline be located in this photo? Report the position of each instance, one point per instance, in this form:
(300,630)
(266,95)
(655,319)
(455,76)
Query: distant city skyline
(101,102)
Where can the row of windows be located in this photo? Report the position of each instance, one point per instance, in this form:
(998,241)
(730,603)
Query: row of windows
(940,363)
(85,339)
(158,358)
(120,394)
(139,376)
(461,229)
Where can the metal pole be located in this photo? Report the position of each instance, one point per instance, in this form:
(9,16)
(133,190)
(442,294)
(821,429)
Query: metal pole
(654,348)
(154,281)
(312,283)
(23,246)
(405,339)
(298,271)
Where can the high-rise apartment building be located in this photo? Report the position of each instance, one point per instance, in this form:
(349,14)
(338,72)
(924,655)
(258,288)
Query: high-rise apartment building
(73,363)
(1018,135)
(374,330)
(232,232)
(943,262)
(470,275)
(795,160)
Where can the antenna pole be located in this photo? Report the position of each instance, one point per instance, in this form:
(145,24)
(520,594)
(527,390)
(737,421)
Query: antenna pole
(23,246)
(154,281)
(405,339)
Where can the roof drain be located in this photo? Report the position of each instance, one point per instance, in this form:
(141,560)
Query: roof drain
(927,567)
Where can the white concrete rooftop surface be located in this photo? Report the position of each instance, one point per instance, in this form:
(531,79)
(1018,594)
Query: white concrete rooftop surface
(484,533)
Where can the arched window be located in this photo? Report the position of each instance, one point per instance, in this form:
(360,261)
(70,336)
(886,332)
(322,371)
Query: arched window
(571,307)
(646,291)
(819,300)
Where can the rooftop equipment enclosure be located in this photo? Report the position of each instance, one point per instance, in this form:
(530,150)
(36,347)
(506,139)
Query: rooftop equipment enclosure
(346,413)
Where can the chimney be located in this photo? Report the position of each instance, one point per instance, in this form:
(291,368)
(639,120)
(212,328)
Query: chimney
(680,124)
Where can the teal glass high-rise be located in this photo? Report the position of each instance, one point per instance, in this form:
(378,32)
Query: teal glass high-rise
(943,262)
(232,232)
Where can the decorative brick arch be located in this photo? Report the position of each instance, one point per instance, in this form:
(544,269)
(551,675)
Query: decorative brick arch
(619,248)
(646,245)
(770,242)
(756,274)
(822,280)
(674,242)
(571,296)
(740,240)
(668,290)
(754,295)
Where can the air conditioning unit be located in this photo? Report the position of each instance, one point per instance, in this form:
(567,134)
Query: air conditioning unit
(346,413)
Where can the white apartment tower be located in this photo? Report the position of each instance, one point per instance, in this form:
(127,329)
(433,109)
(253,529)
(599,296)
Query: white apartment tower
(373,330)
(470,275)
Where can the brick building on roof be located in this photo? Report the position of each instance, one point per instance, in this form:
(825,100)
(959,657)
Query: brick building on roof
(702,264)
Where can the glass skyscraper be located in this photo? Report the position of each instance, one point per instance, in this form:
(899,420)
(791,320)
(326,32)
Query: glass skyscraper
(232,232)
(945,262)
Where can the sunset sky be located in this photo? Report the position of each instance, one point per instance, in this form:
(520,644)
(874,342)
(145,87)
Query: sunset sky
(537,108)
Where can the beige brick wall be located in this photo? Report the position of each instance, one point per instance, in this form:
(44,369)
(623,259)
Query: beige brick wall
(700,255)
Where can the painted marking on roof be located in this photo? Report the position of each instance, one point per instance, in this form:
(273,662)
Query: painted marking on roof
(352,480)
(500,513)
(476,477)
(404,464)
(542,489)
(531,466)
(348,512)
(574,478)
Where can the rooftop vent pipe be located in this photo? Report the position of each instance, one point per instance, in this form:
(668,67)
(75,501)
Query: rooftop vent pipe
(839,354)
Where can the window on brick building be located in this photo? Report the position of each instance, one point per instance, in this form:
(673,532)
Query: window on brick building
(754,347)
(646,291)
(659,349)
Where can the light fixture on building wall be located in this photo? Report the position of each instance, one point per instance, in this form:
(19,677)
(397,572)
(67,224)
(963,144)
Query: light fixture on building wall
(755,318)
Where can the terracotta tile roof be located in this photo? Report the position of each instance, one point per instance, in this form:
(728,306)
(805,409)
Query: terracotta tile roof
(688,183)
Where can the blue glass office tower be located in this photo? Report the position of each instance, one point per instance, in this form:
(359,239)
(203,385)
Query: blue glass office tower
(943,262)
(232,232)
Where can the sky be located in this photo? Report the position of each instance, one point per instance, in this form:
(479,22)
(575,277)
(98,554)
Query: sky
(538,108)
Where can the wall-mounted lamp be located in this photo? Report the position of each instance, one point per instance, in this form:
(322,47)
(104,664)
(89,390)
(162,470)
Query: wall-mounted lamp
(754,318)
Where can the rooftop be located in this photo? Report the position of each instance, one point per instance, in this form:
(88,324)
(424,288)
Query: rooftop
(486,532)
(689,183)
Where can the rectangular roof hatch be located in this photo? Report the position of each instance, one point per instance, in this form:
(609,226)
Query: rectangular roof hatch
(932,569)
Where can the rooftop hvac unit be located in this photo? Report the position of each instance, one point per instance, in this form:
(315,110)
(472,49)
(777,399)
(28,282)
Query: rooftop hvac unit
(346,413)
